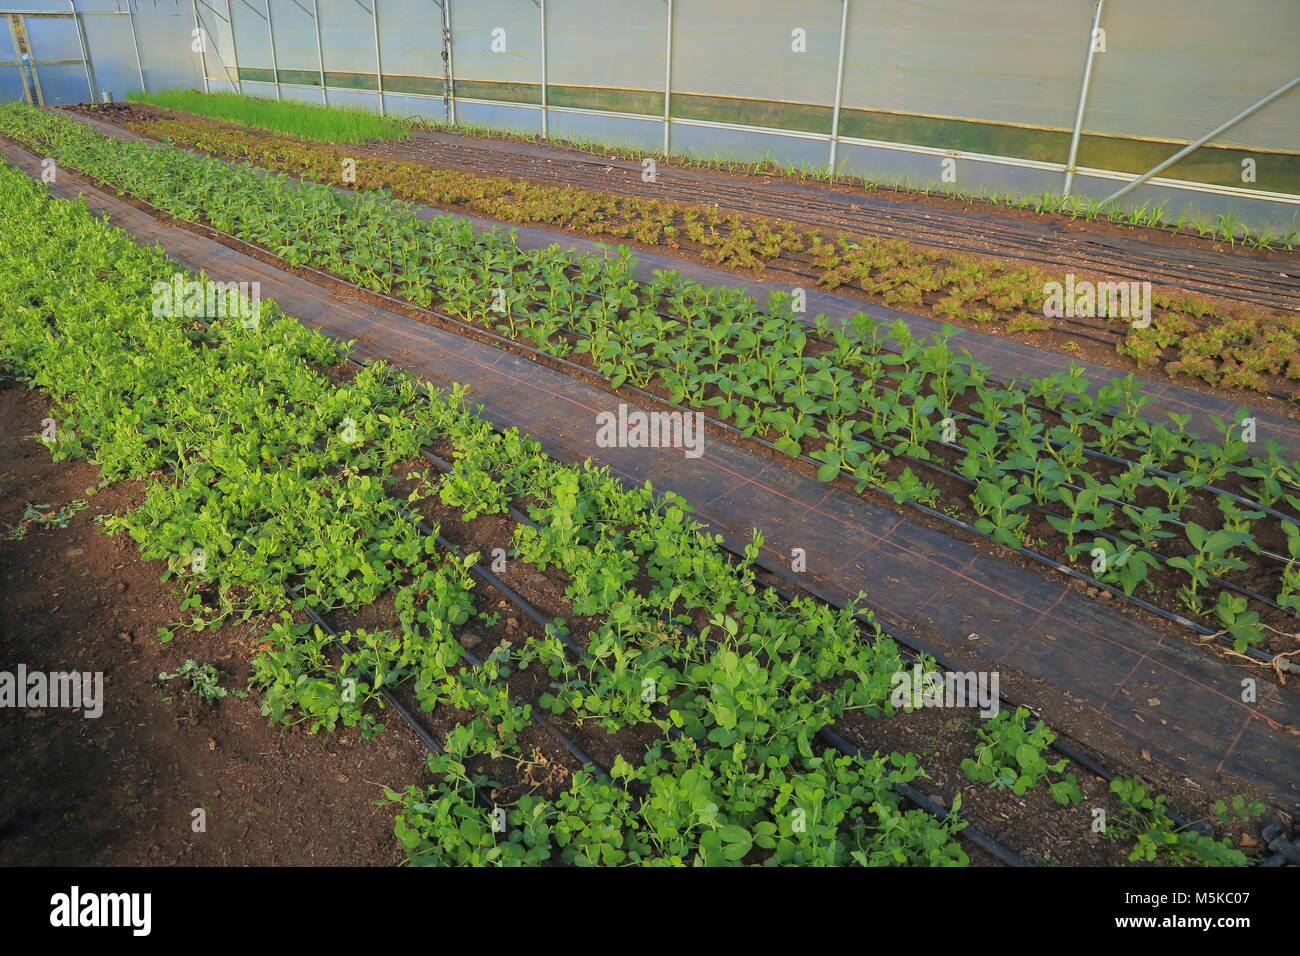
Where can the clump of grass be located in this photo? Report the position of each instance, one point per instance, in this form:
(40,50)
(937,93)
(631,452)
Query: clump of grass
(330,124)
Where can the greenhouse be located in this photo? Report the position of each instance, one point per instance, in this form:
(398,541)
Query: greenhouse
(565,433)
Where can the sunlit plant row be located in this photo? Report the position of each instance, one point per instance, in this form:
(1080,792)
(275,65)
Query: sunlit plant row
(1199,339)
(1191,523)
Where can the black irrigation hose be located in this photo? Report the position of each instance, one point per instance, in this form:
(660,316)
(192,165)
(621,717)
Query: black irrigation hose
(416,727)
(390,699)
(520,602)
(1060,744)
(976,836)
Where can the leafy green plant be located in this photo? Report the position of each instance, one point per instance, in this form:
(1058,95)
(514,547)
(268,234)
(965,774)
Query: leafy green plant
(202,681)
(1144,820)
(43,517)
(1011,754)
(1238,810)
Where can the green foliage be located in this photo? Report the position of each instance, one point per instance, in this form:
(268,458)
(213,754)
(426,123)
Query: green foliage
(1011,754)
(1144,820)
(235,435)
(202,681)
(334,124)
(1239,811)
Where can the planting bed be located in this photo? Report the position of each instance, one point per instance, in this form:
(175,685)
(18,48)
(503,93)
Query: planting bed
(624,689)
(1043,468)
(1001,354)
(1191,336)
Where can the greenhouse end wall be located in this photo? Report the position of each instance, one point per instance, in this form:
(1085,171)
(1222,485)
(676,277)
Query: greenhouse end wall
(949,95)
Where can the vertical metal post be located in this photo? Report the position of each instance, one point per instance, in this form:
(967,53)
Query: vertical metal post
(379,60)
(22,70)
(85,52)
(448,90)
(234,49)
(451,57)
(839,84)
(203,42)
(1083,100)
(26,63)
(320,55)
(135,45)
(668,83)
(546,130)
(275,65)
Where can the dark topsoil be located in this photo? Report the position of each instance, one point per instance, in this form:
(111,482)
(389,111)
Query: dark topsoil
(120,789)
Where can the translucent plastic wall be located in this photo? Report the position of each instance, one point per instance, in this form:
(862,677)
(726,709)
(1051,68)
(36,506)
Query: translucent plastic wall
(958,95)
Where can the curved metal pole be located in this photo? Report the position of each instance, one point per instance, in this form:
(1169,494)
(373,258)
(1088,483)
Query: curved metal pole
(85,52)
(1083,99)
(135,45)
(668,83)
(234,50)
(379,60)
(26,62)
(447,108)
(320,55)
(839,84)
(275,65)
(378,57)
(203,44)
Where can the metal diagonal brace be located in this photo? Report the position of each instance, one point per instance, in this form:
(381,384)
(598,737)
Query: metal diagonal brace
(1193,147)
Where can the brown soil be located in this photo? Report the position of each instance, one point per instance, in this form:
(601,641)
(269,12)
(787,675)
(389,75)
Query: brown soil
(120,789)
